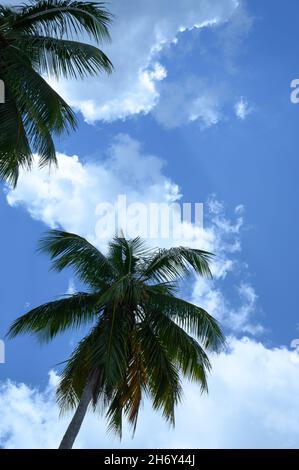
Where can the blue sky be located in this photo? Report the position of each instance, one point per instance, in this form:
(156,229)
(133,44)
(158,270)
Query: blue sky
(206,91)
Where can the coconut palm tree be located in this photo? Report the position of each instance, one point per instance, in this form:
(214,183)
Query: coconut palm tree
(143,338)
(36,40)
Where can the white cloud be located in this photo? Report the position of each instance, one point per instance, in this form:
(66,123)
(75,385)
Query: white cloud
(242,108)
(199,97)
(202,98)
(189,100)
(141,31)
(238,316)
(232,36)
(252,403)
(68,197)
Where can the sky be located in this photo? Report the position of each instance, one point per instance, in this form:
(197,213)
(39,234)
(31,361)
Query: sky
(198,109)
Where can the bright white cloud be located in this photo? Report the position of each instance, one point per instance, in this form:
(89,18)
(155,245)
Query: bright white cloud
(69,197)
(252,403)
(141,31)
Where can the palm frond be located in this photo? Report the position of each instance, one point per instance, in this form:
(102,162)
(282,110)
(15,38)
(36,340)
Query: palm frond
(65,58)
(15,151)
(130,392)
(29,89)
(144,338)
(60,18)
(195,320)
(114,413)
(77,372)
(52,318)
(126,254)
(174,263)
(38,38)
(185,351)
(163,374)
(70,250)
(112,348)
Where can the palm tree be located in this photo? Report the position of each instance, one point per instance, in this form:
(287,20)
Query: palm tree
(143,338)
(36,39)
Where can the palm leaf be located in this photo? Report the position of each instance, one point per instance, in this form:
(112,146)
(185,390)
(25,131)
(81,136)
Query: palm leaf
(52,318)
(144,338)
(70,250)
(174,263)
(37,38)
(60,18)
(192,318)
(78,371)
(163,374)
(65,58)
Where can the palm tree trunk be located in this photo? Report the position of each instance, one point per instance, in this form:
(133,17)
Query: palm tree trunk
(75,424)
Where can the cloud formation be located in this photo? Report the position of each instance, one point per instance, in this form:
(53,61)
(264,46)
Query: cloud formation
(141,32)
(252,403)
(68,196)
(189,100)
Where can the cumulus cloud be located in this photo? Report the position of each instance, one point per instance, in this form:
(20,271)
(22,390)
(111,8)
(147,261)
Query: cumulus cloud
(141,32)
(252,403)
(70,195)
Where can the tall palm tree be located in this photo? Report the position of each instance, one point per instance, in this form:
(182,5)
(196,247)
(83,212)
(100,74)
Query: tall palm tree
(143,338)
(36,39)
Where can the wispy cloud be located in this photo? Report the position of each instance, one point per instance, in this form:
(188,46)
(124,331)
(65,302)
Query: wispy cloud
(71,287)
(190,100)
(242,108)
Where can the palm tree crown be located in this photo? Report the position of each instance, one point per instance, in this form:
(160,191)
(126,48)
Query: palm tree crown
(143,338)
(36,39)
